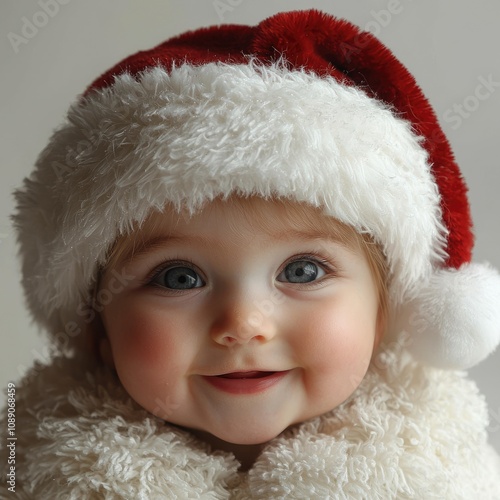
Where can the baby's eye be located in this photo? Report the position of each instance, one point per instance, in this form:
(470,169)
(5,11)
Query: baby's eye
(301,271)
(179,278)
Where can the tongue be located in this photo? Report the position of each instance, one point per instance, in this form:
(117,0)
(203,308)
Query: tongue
(246,375)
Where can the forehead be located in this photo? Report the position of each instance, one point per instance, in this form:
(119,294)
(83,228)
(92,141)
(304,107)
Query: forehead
(238,219)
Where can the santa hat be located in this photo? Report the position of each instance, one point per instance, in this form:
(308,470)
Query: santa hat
(302,106)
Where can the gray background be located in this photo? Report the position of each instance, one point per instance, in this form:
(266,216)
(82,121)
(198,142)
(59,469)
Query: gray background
(449,45)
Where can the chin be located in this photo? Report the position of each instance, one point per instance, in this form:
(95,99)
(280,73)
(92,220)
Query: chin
(253,436)
(249,441)
(240,437)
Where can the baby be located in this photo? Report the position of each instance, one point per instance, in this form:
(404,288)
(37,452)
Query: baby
(250,316)
(257,280)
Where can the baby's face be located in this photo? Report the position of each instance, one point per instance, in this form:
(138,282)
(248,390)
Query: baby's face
(236,330)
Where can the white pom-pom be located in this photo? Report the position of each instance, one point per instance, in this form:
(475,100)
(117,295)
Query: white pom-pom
(454,322)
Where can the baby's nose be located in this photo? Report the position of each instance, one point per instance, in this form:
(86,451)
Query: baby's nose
(240,321)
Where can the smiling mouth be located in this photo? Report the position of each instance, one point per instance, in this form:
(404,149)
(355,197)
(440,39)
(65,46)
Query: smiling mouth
(246,382)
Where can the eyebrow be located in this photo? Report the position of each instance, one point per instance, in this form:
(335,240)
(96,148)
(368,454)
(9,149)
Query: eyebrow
(150,245)
(158,242)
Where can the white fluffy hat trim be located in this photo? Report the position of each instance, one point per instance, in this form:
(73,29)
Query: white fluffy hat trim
(196,133)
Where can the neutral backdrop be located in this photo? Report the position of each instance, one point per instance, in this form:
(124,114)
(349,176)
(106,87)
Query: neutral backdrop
(51,49)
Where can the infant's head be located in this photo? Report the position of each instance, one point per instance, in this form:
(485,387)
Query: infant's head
(261,200)
(247,317)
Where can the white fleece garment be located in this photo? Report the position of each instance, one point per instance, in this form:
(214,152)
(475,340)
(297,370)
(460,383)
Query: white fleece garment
(409,431)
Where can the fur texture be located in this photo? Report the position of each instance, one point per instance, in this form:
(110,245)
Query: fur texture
(407,432)
(456,317)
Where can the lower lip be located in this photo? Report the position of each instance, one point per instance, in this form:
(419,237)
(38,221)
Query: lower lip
(246,385)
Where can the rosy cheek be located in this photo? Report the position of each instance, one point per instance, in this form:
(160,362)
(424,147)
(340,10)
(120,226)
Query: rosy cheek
(141,338)
(146,354)
(339,338)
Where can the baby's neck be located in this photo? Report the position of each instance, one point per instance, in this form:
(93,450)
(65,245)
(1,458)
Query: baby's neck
(246,454)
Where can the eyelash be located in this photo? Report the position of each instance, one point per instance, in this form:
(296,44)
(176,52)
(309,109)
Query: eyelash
(329,267)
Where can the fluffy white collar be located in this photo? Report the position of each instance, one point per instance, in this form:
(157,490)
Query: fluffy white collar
(407,432)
